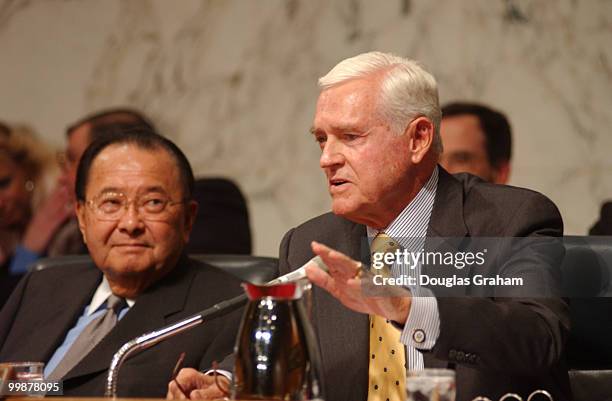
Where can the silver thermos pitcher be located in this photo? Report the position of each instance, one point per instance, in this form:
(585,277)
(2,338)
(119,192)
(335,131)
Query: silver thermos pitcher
(277,356)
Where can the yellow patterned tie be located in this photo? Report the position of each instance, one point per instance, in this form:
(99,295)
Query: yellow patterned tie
(387,371)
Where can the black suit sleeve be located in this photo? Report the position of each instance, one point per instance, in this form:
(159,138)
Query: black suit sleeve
(504,333)
(283,264)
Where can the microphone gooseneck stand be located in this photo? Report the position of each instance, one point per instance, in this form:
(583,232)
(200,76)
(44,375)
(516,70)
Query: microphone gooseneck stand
(150,339)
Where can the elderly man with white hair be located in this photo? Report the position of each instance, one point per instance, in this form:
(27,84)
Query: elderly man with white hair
(377,124)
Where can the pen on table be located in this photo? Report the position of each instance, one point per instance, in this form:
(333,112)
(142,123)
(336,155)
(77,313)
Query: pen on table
(177,368)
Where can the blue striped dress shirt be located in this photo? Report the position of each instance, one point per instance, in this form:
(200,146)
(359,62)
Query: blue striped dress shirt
(409,229)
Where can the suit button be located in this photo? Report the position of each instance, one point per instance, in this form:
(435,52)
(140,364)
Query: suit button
(460,356)
(452,354)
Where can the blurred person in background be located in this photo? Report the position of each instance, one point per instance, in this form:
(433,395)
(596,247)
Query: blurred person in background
(26,167)
(603,225)
(477,140)
(53,229)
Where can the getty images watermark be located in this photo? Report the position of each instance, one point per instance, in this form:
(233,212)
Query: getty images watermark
(409,260)
(488,267)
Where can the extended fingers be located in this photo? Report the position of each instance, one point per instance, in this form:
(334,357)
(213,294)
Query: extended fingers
(347,291)
(339,265)
(320,278)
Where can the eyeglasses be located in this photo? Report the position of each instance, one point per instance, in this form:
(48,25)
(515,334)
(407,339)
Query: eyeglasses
(111,206)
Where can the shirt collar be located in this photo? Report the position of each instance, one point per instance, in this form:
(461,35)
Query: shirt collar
(101,295)
(413,221)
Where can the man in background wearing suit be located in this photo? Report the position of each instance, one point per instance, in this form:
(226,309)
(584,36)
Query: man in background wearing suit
(477,140)
(135,211)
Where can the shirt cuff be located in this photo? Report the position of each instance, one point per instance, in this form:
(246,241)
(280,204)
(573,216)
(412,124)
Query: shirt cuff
(221,372)
(22,258)
(422,328)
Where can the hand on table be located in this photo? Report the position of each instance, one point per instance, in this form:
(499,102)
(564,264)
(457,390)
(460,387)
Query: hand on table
(197,386)
(344,282)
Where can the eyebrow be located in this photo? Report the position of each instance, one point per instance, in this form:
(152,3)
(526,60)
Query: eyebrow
(154,188)
(338,128)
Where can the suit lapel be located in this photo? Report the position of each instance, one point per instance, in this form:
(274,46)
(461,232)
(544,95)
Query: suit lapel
(447,213)
(153,309)
(446,232)
(59,313)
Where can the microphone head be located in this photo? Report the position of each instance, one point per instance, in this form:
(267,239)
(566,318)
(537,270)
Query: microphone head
(300,273)
(319,262)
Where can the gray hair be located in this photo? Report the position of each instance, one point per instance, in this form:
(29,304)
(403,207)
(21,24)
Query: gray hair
(407,90)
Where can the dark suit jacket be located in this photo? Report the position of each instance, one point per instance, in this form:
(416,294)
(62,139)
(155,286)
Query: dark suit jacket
(8,282)
(47,303)
(495,345)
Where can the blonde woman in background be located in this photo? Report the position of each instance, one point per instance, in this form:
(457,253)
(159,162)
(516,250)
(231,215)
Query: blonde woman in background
(27,170)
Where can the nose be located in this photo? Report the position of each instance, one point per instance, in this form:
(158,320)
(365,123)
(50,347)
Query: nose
(331,154)
(130,222)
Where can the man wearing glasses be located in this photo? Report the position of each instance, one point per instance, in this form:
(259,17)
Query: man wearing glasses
(135,211)
(53,229)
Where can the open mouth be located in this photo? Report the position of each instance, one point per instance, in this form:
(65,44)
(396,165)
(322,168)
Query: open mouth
(337,182)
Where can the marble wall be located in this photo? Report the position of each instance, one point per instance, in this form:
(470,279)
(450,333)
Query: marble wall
(233,82)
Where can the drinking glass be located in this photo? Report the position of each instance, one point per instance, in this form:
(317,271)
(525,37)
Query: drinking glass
(431,385)
(26,371)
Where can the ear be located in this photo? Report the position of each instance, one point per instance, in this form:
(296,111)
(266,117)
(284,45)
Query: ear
(421,139)
(191,211)
(82,218)
(502,173)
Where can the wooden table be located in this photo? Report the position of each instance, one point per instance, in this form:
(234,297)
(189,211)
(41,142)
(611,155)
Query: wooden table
(81,398)
(85,398)
(89,399)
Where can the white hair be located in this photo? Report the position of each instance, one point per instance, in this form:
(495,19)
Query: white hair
(407,91)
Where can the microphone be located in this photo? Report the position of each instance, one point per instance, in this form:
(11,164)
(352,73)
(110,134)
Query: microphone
(147,340)
(232,304)
(299,273)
